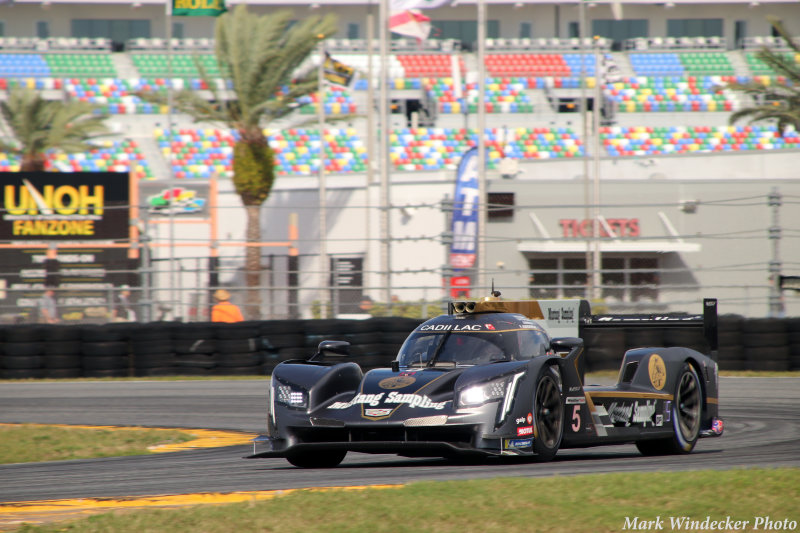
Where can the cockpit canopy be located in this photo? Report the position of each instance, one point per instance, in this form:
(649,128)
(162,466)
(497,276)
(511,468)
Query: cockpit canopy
(469,340)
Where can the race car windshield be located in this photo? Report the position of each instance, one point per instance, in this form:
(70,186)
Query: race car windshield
(471,348)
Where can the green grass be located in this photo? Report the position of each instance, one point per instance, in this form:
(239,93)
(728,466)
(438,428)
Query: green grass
(35,443)
(569,504)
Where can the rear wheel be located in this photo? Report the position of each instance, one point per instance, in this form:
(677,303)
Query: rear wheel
(687,411)
(548,412)
(316,459)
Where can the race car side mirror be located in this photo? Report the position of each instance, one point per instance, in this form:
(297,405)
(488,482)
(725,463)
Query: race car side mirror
(565,344)
(331,349)
(334,348)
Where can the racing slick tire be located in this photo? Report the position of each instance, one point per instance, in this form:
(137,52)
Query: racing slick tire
(316,459)
(548,413)
(687,411)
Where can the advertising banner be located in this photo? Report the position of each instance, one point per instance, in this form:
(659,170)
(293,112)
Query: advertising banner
(465,212)
(198,8)
(174,197)
(64,206)
(86,279)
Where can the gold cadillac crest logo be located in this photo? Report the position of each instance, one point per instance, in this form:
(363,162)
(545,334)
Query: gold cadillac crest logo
(658,372)
(397,382)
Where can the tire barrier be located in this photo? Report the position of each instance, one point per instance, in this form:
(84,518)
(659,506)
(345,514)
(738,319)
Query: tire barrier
(35,351)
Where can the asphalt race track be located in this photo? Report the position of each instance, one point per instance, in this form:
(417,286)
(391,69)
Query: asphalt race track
(762,428)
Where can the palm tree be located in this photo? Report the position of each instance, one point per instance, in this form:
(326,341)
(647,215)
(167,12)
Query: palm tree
(262,56)
(774,102)
(37,126)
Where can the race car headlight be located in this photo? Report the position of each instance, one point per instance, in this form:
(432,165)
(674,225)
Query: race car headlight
(483,393)
(291,396)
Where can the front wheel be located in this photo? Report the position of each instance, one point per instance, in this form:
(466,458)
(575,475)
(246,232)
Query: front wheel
(316,459)
(687,411)
(548,412)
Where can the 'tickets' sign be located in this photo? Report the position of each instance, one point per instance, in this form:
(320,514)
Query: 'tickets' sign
(63,206)
(622,227)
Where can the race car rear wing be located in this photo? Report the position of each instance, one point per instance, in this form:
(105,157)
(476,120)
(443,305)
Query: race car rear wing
(707,320)
(569,317)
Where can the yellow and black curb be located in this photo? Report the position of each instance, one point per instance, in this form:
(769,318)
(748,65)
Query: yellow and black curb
(14,514)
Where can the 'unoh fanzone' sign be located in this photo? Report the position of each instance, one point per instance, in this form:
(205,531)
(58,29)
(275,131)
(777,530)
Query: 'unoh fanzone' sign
(64,206)
(465,212)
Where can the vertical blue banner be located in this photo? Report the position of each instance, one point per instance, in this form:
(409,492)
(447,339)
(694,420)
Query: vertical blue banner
(465,212)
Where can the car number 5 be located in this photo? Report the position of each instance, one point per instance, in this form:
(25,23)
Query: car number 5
(576,418)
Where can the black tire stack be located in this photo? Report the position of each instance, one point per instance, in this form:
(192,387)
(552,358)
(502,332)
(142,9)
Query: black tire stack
(152,350)
(765,343)
(693,338)
(793,337)
(282,340)
(605,348)
(642,337)
(239,349)
(390,332)
(105,351)
(62,352)
(195,347)
(731,351)
(22,352)
(374,342)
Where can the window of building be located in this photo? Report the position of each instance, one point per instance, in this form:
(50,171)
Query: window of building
(543,279)
(573,30)
(574,277)
(42,29)
(623,278)
(352,30)
(739,33)
(644,278)
(177,30)
(497,210)
(613,278)
(2,28)
(620,30)
(525,30)
(694,27)
(465,31)
(118,30)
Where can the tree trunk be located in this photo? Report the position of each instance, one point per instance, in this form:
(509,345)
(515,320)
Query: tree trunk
(32,163)
(253,174)
(252,264)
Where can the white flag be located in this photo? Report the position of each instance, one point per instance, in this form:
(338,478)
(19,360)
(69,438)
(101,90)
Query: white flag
(410,23)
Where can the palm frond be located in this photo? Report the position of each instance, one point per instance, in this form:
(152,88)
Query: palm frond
(37,125)
(773,102)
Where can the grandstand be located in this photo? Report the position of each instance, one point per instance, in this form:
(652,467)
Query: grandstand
(669,103)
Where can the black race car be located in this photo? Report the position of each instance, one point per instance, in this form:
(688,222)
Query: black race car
(487,379)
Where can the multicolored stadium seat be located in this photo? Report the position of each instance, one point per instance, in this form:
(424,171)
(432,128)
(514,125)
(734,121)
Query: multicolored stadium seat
(429,65)
(179,66)
(438,148)
(115,156)
(202,153)
(679,64)
(758,67)
(503,95)
(650,141)
(26,65)
(672,93)
(558,65)
(338,101)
